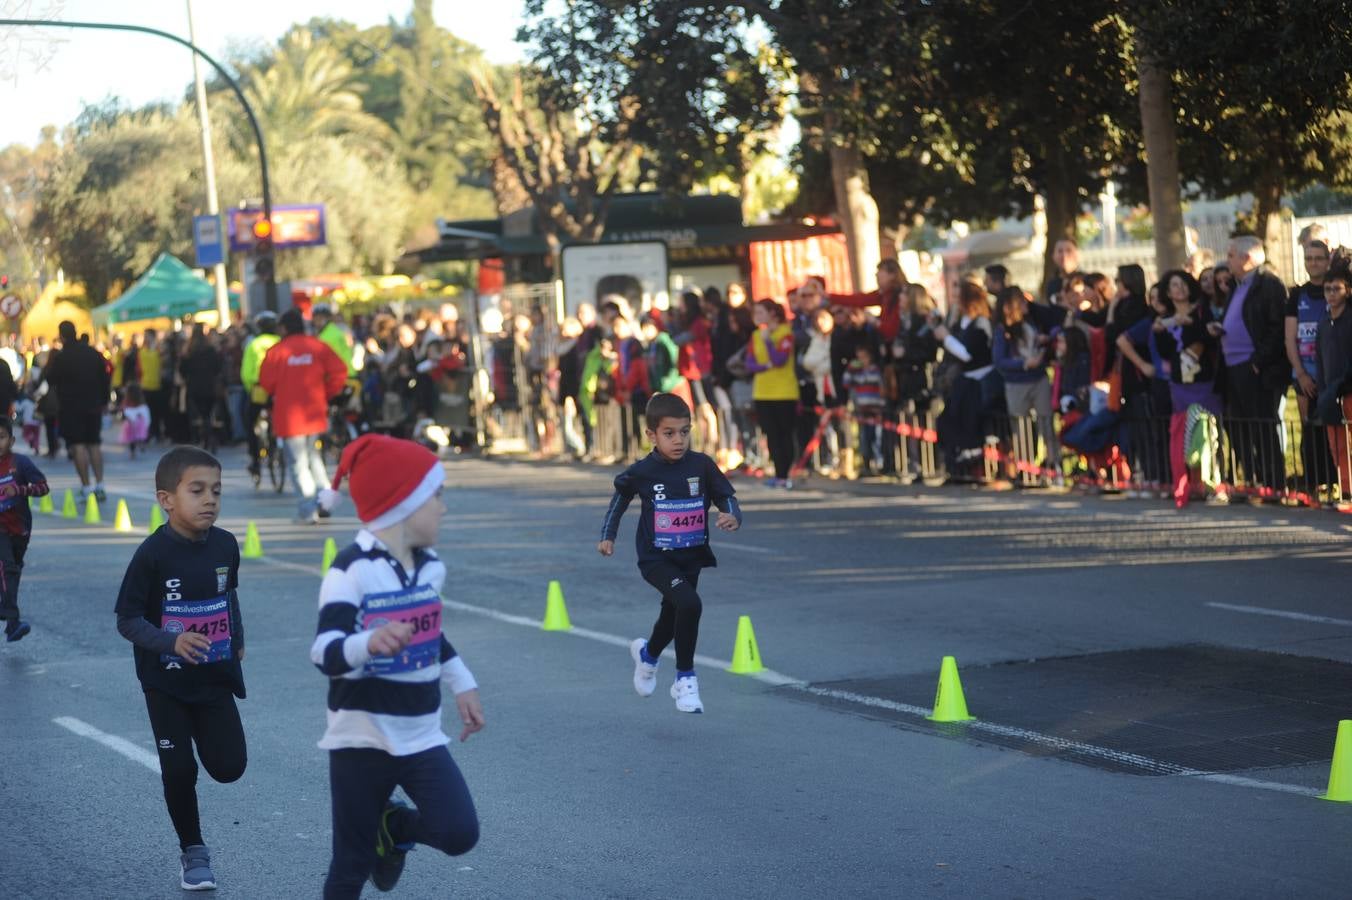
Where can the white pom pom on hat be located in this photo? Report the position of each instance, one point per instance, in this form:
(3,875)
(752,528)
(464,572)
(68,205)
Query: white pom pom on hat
(388,478)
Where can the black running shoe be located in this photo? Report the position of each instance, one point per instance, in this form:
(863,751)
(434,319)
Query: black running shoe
(389,855)
(16,630)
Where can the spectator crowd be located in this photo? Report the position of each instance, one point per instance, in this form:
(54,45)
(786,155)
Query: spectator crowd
(1214,381)
(316,385)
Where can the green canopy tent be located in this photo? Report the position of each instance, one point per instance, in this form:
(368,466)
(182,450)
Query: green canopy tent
(167,290)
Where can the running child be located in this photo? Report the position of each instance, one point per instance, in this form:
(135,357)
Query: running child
(677,486)
(135,419)
(26,414)
(380,642)
(178,607)
(19,480)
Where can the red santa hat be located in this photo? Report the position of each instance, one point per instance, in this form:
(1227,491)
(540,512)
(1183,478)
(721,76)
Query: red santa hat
(388,479)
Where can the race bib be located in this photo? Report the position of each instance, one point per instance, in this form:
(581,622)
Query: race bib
(420,606)
(1306,337)
(678,523)
(209,618)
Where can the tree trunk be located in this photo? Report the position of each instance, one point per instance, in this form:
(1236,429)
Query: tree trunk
(855,207)
(1161,150)
(858,213)
(1267,211)
(891,239)
(555,244)
(1062,207)
(508,194)
(746,194)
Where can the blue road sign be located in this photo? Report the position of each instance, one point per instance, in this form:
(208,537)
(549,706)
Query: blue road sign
(208,240)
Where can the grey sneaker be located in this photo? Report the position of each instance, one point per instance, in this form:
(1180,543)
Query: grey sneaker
(196,865)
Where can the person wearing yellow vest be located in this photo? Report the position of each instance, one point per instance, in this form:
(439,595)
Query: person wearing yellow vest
(775,386)
(256,398)
(116,357)
(329,329)
(149,370)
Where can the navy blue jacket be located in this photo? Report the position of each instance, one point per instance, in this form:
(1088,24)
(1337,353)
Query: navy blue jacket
(173,584)
(676,498)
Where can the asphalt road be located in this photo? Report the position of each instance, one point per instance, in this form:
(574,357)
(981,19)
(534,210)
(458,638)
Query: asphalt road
(585,790)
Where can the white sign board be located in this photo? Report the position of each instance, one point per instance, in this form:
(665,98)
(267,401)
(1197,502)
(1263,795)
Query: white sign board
(637,271)
(11,306)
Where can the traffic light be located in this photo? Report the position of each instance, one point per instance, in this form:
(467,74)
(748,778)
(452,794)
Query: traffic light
(4,282)
(263,266)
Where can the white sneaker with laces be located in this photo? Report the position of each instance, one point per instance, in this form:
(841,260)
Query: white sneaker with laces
(645,675)
(685,691)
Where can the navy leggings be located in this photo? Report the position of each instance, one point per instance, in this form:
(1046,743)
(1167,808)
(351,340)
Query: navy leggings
(12,549)
(681,609)
(361,782)
(214,727)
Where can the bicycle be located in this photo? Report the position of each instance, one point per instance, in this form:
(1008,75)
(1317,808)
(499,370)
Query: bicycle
(270,454)
(344,426)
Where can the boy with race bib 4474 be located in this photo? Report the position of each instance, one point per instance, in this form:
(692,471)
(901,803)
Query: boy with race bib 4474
(677,487)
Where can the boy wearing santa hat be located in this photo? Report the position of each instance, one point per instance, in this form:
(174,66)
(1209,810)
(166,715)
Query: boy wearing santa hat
(380,642)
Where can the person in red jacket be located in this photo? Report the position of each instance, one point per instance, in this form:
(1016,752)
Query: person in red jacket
(302,374)
(888,296)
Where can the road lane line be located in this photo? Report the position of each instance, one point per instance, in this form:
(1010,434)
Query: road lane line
(745,548)
(778,679)
(1033,737)
(294,567)
(131,751)
(1241,781)
(1158,767)
(1281,614)
(768,676)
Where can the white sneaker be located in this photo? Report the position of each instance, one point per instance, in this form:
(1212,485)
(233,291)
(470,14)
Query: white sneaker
(685,691)
(645,675)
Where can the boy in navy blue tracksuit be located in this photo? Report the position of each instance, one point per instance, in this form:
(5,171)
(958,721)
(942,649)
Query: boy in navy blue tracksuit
(677,488)
(19,480)
(179,608)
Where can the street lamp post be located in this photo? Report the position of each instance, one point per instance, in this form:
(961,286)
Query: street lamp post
(269,283)
(209,170)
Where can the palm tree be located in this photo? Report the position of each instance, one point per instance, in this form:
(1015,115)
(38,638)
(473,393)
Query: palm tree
(308,91)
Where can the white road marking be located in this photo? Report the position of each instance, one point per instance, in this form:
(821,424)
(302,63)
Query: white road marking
(286,564)
(745,548)
(131,751)
(1032,737)
(769,676)
(779,679)
(1062,744)
(1282,614)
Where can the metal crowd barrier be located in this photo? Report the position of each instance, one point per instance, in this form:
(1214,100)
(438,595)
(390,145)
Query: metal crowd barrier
(1281,460)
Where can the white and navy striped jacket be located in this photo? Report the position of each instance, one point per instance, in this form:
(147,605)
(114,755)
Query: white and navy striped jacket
(399,713)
